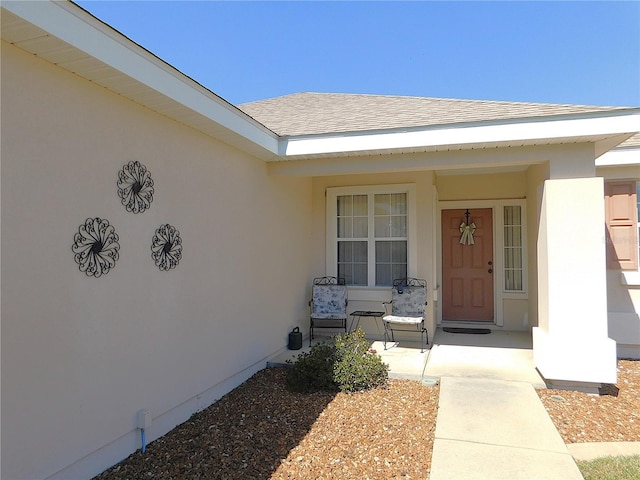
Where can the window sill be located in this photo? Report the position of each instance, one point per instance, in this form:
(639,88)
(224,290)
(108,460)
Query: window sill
(630,279)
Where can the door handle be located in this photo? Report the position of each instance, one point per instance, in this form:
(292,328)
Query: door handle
(489,262)
(490,270)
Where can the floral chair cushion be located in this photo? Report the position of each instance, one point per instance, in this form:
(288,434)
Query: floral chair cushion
(329,302)
(408,306)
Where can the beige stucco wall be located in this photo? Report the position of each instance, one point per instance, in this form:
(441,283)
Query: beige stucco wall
(508,185)
(80,355)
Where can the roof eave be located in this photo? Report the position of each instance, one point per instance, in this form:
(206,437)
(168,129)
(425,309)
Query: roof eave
(605,129)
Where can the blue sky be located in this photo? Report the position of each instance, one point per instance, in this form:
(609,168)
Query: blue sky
(545,51)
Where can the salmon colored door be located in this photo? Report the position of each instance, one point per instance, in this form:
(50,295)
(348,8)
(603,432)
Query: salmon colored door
(467,268)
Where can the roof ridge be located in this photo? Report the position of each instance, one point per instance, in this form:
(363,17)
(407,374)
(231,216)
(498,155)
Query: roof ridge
(437,99)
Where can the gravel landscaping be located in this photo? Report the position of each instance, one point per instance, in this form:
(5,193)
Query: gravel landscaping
(262,431)
(612,416)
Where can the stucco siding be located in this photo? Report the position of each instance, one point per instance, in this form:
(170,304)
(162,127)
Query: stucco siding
(482,186)
(81,355)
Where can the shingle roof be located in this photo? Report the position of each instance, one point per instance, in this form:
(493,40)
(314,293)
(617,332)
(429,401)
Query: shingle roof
(322,113)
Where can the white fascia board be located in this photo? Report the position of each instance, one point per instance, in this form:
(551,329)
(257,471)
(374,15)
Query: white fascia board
(619,157)
(72,25)
(544,129)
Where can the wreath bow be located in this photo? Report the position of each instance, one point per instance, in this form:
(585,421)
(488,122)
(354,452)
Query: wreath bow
(467,233)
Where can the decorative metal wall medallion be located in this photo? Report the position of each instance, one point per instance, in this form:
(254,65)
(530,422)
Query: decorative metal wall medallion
(135,187)
(96,247)
(166,247)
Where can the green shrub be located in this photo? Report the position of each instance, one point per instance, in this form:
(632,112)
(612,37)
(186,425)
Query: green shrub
(313,371)
(347,365)
(356,368)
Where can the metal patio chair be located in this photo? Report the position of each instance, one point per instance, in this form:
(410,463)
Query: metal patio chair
(328,304)
(408,309)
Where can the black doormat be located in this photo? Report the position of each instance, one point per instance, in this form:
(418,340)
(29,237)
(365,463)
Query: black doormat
(474,331)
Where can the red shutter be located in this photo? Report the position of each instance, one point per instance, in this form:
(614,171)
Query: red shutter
(622,225)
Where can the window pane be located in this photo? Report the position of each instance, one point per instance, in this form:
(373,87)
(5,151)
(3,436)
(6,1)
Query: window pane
(345,251)
(360,274)
(399,252)
(398,227)
(391,261)
(513,258)
(391,215)
(383,227)
(360,227)
(352,262)
(512,215)
(383,275)
(513,279)
(513,236)
(399,271)
(383,252)
(508,236)
(382,204)
(517,258)
(345,227)
(360,252)
(398,203)
(352,216)
(345,205)
(360,205)
(342,273)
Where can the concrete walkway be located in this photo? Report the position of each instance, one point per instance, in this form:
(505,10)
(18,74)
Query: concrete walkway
(496,429)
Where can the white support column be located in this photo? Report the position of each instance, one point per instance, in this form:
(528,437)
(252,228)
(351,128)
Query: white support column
(571,341)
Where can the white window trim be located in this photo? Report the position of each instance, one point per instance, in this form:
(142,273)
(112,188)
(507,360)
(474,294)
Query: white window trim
(370,292)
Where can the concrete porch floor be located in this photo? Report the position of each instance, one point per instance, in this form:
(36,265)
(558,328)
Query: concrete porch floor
(499,355)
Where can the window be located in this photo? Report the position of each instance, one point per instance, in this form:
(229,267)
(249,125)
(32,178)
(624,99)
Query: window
(513,270)
(368,234)
(621,210)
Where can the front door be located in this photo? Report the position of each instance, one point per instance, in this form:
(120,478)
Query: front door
(467,264)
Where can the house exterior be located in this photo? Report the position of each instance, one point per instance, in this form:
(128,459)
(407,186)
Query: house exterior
(149,227)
